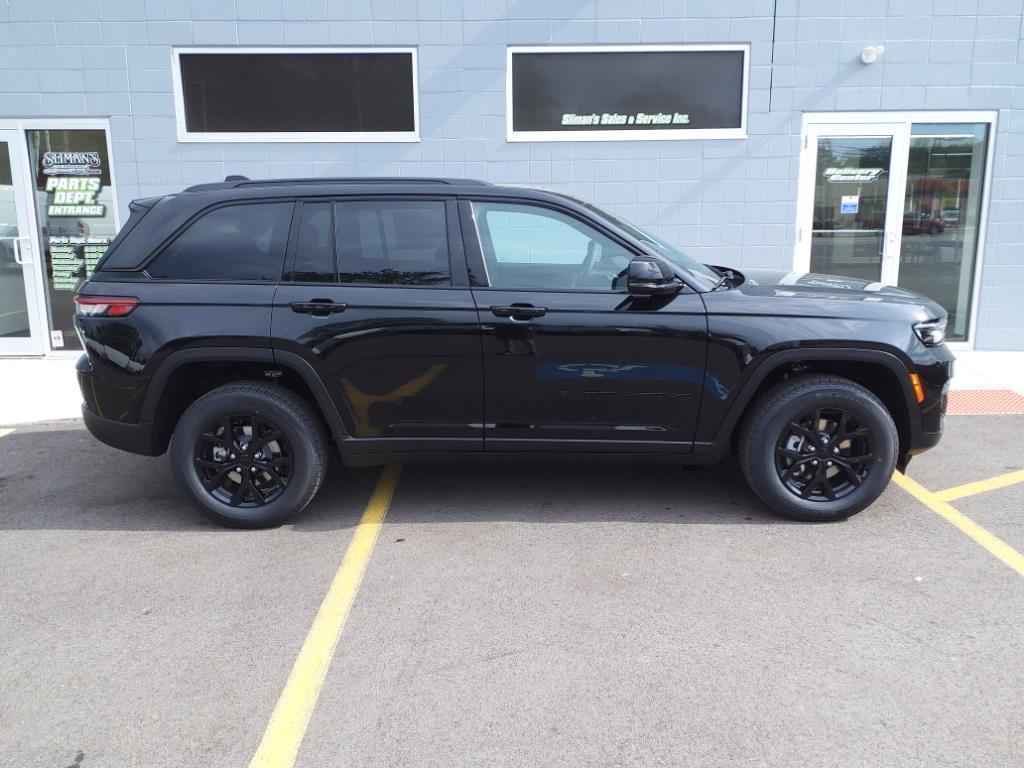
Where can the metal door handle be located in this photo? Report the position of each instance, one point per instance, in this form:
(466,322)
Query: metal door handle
(317,307)
(19,255)
(519,312)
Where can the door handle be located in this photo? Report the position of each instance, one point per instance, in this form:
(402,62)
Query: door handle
(19,255)
(318,307)
(517,312)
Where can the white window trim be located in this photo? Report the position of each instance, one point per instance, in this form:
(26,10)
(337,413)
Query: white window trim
(909,117)
(184,135)
(627,135)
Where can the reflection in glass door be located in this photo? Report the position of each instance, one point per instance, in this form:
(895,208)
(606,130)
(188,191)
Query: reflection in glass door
(20,331)
(941,216)
(896,203)
(851,193)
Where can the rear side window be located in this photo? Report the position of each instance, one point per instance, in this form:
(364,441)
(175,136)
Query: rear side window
(236,242)
(393,242)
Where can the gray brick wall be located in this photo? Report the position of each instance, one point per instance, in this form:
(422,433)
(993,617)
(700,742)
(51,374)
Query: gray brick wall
(722,201)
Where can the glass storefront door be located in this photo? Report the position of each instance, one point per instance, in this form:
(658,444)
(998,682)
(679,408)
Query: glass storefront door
(58,214)
(942,215)
(21,331)
(74,200)
(897,202)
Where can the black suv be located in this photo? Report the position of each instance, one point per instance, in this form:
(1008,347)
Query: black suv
(245,325)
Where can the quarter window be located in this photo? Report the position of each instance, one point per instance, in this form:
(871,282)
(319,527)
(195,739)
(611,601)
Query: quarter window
(236,242)
(534,248)
(393,242)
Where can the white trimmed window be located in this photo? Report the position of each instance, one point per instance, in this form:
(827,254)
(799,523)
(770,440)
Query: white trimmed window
(626,92)
(296,94)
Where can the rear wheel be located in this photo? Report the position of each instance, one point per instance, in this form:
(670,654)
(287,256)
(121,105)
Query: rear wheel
(818,448)
(249,455)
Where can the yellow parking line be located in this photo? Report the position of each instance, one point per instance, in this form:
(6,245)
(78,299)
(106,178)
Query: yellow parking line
(287,726)
(5,432)
(993,483)
(992,543)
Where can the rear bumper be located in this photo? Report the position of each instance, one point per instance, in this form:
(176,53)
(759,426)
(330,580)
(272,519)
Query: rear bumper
(134,438)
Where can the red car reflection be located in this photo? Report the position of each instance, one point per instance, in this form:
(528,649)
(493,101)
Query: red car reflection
(919,223)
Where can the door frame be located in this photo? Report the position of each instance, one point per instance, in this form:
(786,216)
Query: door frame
(34,344)
(816,123)
(20,126)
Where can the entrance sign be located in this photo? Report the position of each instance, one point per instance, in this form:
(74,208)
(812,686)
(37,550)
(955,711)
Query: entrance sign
(619,92)
(75,213)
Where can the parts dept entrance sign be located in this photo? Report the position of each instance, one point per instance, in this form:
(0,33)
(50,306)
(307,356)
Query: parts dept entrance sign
(74,206)
(605,93)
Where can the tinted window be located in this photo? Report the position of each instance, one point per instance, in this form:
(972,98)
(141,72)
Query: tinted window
(237,242)
(297,92)
(314,251)
(531,247)
(393,242)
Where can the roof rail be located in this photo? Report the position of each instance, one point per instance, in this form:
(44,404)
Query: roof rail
(361,180)
(234,181)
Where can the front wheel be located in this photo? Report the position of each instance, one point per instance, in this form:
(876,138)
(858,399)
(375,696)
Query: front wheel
(249,455)
(818,448)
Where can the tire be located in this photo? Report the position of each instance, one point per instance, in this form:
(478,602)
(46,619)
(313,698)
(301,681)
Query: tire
(287,461)
(933,229)
(807,473)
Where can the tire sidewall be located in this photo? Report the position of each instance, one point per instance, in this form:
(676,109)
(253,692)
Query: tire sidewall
(869,412)
(201,416)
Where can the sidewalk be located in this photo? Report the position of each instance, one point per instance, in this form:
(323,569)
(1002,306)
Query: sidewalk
(37,389)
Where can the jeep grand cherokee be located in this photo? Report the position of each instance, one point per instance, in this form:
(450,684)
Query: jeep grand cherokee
(244,326)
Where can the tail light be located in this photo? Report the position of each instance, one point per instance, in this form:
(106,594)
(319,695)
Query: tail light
(105,306)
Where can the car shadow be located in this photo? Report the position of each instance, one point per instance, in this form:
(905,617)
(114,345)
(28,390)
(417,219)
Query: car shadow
(56,476)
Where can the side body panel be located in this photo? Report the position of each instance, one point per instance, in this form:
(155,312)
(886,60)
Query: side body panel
(401,364)
(126,352)
(598,371)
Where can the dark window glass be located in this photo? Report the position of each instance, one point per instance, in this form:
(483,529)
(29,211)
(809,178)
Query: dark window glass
(393,242)
(237,242)
(597,91)
(314,252)
(297,92)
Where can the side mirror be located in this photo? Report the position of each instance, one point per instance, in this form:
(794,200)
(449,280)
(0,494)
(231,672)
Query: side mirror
(644,277)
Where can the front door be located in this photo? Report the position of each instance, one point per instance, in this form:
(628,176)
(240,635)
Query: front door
(571,361)
(21,330)
(375,303)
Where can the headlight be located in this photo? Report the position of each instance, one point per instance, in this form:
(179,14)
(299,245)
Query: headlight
(931,333)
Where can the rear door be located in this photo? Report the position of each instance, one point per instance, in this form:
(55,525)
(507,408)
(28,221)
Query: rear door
(571,361)
(375,298)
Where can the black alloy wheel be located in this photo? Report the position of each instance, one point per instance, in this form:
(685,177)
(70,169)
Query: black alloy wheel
(824,455)
(244,460)
(818,447)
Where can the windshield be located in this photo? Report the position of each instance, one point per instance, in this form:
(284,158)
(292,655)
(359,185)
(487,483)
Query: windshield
(703,275)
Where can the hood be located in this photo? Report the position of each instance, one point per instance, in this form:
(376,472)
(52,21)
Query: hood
(810,285)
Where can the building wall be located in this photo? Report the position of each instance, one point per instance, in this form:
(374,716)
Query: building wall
(726,202)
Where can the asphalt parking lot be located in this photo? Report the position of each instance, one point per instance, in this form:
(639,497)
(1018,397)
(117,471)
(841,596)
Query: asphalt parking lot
(510,616)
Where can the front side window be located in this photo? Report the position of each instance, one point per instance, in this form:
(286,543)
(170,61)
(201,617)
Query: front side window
(236,243)
(393,242)
(534,248)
